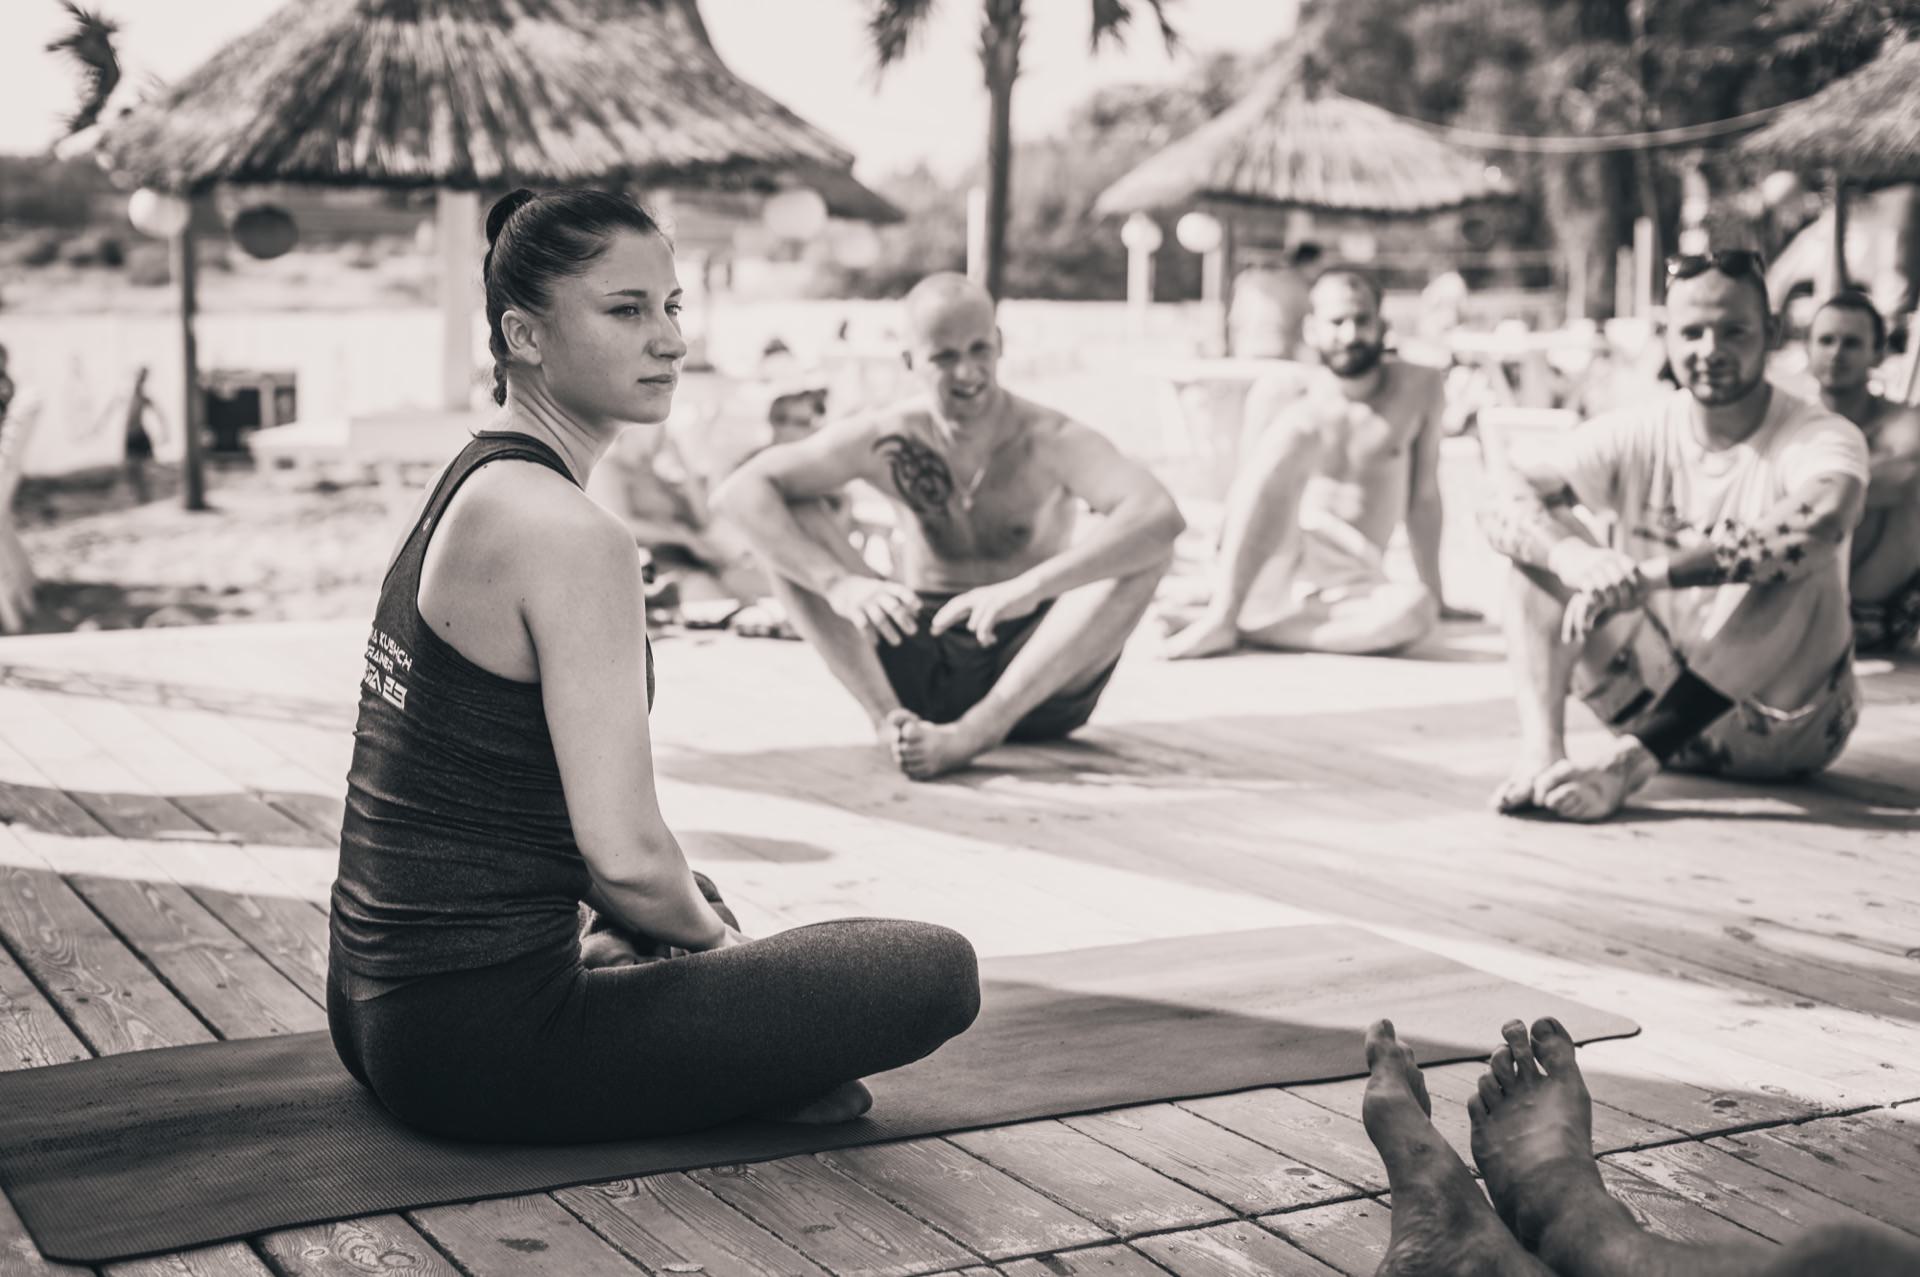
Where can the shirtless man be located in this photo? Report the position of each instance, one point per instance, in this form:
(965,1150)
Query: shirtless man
(1712,634)
(1004,624)
(1550,1213)
(1847,339)
(1329,467)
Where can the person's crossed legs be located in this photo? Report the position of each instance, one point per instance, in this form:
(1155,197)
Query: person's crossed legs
(1070,649)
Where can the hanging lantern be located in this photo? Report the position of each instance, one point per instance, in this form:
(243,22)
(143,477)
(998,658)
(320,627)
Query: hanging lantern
(265,231)
(1199,232)
(157,213)
(1140,233)
(797,213)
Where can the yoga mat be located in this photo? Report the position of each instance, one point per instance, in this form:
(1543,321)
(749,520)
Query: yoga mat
(161,1150)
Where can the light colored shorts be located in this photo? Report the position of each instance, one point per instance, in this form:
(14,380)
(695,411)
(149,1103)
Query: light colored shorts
(1628,665)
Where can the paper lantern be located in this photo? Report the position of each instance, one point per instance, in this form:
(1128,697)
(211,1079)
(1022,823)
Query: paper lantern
(157,213)
(1199,232)
(797,213)
(1140,233)
(265,231)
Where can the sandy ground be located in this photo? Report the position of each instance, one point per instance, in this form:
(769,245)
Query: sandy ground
(264,552)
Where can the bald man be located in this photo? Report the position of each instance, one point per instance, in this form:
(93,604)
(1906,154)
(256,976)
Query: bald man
(1711,633)
(1845,342)
(1330,466)
(1007,620)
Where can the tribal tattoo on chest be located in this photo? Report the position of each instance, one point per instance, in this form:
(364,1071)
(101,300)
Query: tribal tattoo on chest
(919,473)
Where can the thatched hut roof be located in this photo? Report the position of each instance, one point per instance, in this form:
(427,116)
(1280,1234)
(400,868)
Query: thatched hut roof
(1285,144)
(477,94)
(1866,125)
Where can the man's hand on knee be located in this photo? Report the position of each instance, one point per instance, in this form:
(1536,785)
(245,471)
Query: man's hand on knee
(886,608)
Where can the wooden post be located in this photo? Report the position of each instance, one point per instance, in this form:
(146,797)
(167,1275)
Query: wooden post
(1837,265)
(977,235)
(193,488)
(1646,246)
(457,215)
(1576,281)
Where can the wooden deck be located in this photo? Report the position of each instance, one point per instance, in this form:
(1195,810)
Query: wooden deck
(171,800)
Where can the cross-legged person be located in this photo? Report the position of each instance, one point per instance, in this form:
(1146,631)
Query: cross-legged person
(502,775)
(1550,1213)
(1847,339)
(1007,619)
(1330,466)
(1710,631)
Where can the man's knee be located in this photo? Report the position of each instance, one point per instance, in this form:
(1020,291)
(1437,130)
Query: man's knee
(940,970)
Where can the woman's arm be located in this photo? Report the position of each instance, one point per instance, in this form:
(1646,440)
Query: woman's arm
(581,603)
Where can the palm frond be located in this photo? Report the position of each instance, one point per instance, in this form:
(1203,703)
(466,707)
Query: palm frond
(1111,18)
(894,25)
(90,43)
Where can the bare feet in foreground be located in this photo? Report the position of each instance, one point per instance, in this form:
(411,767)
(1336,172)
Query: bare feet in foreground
(1533,1131)
(1442,1224)
(1211,635)
(1520,791)
(842,1104)
(925,750)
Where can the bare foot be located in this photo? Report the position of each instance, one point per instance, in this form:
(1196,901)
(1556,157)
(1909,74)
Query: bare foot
(1520,791)
(842,1104)
(925,750)
(1533,1130)
(1441,1223)
(1212,635)
(1597,792)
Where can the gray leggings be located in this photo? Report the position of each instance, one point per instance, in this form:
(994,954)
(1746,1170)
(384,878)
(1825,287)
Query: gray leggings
(541,1050)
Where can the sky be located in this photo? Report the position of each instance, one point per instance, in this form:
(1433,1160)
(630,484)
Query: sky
(812,55)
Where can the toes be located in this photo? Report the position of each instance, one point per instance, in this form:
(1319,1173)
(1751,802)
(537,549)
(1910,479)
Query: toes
(1504,1072)
(1573,802)
(1553,1046)
(1514,796)
(1490,1093)
(1476,1110)
(1381,1044)
(1522,1050)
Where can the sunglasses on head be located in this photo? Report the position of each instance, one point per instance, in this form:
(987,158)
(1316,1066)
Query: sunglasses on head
(1733,262)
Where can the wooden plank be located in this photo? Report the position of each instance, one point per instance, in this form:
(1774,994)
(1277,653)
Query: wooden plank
(1240,1249)
(249,819)
(1665,1213)
(982,1208)
(19,1257)
(382,1246)
(1300,1130)
(669,1224)
(838,1224)
(1758,1200)
(228,1259)
(1102,1261)
(112,1000)
(1349,1237)
(1210,1159)
(290,934)
(233,988)
(1854,1160)
(530,1236)
(1090,1179)
(1451,1086)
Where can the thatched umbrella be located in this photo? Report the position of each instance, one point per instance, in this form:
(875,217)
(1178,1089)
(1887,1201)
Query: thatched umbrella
(470,95)
(1286,145)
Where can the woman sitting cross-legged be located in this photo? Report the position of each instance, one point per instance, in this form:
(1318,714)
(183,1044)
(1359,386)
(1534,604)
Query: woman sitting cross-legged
(502,775)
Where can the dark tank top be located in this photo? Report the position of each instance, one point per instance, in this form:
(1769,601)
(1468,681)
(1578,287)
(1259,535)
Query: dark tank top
(456,851)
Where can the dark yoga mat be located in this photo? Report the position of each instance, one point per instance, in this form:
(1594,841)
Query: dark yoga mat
(160,1150)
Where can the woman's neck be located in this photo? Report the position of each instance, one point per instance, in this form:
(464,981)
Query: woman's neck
(580,444)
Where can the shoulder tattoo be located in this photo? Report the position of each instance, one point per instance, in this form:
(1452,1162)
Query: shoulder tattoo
(921,474)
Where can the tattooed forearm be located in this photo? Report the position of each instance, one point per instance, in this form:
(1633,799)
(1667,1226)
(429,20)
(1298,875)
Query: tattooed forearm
(1522,524)
(919,473)
(1798,538)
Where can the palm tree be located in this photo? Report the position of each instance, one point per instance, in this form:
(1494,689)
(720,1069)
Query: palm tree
(90,43)
(1002,26)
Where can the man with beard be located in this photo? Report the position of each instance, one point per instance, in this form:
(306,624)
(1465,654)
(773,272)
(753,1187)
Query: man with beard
(1846,340)
(1004,624)
(1711,632)
(1329,467)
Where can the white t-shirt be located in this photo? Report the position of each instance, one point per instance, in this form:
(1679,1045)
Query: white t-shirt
(1646,466)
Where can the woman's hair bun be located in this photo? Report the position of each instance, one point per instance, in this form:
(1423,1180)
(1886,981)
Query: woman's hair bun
(503,208)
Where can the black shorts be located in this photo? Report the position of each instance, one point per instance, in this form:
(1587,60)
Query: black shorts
(942,676)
